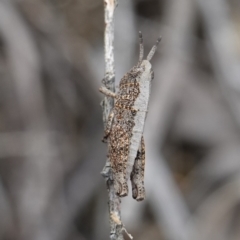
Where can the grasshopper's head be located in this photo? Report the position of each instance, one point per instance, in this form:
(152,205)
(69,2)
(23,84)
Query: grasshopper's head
(146,69)
(146,65)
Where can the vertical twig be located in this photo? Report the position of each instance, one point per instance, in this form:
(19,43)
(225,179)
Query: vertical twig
(107,104)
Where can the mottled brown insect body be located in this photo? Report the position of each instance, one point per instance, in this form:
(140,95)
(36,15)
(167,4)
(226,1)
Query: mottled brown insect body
(121,129)
(125,127)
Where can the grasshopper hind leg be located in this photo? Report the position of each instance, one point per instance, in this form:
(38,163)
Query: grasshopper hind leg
(137,175)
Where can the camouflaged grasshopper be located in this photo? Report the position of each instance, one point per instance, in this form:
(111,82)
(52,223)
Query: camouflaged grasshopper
(124,130)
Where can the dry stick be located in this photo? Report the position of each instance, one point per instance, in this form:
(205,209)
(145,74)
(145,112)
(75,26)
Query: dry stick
(107,104)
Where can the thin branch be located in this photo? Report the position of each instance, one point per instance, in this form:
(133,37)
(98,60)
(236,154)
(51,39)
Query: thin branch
(107,105)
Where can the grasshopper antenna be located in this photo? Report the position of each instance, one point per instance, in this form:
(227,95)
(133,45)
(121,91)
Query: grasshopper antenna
(141,48)
(153,50)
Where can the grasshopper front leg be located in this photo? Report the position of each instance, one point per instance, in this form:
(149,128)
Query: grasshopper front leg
(108,93)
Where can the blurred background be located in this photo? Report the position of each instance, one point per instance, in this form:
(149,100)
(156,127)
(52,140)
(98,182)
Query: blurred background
(51,154)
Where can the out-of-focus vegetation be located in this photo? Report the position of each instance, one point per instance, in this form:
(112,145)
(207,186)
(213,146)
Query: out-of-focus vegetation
(51,154)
